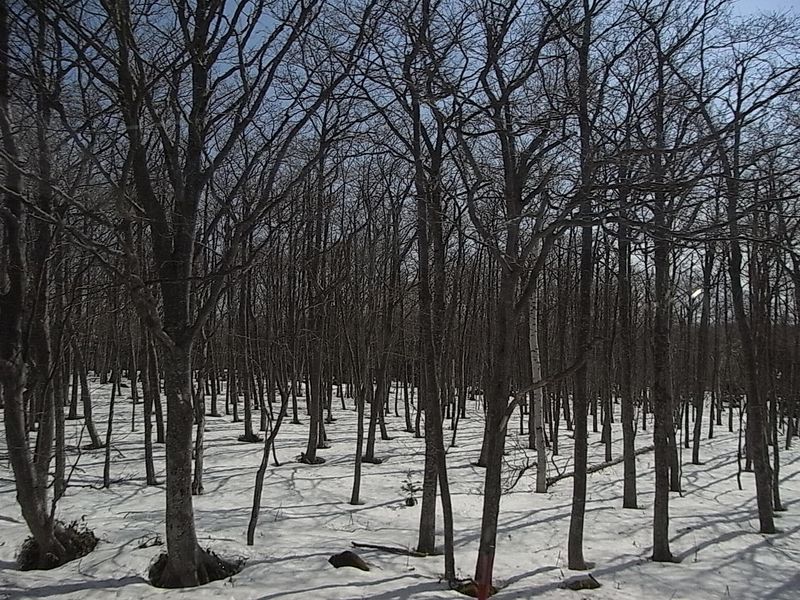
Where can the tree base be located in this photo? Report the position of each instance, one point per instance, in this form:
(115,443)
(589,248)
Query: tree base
(373,460)
(210,567)
(75,539)
(317,460)
(250,439)
(665,558)
(582,565)
(469,588)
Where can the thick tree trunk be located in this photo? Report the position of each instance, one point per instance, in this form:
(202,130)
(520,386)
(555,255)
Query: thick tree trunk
(662,398)
(497,401)
(30,472)
(492,490)
(183,552)
(580,405)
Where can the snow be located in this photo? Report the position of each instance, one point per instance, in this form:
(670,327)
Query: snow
(306,517)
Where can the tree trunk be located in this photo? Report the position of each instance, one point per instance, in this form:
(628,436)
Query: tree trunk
(756,409)
(269,442)
(662,406)
(184,555)
(30,478)
(109,428)
(575,558)
(756,413)
(361,392)
(536,424)
(147,410)
(702,353)
(86,398)
(628,418)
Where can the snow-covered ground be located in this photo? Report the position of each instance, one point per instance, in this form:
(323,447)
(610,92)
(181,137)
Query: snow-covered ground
(306,517)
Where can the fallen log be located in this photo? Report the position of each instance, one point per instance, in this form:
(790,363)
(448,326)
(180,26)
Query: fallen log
(596,468)
(390,549)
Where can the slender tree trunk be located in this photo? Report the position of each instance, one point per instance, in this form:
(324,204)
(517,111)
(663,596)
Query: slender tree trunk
(86,398)
(629,499)
(362,391)
(702,353)
(147,410)
(199,403)
(269,442)
(73,393)
(536,424)
(109,428)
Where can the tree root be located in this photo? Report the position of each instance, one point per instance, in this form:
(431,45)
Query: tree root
(73,541)
(470,588)
(210,567)
(307,461)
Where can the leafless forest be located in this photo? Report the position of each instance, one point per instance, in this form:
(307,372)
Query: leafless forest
(568,213)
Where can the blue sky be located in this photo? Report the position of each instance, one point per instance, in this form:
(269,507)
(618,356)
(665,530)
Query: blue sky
(749,6)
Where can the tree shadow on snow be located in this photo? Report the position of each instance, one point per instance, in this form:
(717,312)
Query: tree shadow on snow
(48,591)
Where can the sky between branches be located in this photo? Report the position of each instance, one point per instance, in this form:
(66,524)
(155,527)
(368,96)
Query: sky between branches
(751,6)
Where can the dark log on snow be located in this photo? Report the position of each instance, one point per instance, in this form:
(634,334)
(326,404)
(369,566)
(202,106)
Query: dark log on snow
(391,549)
(600,467)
